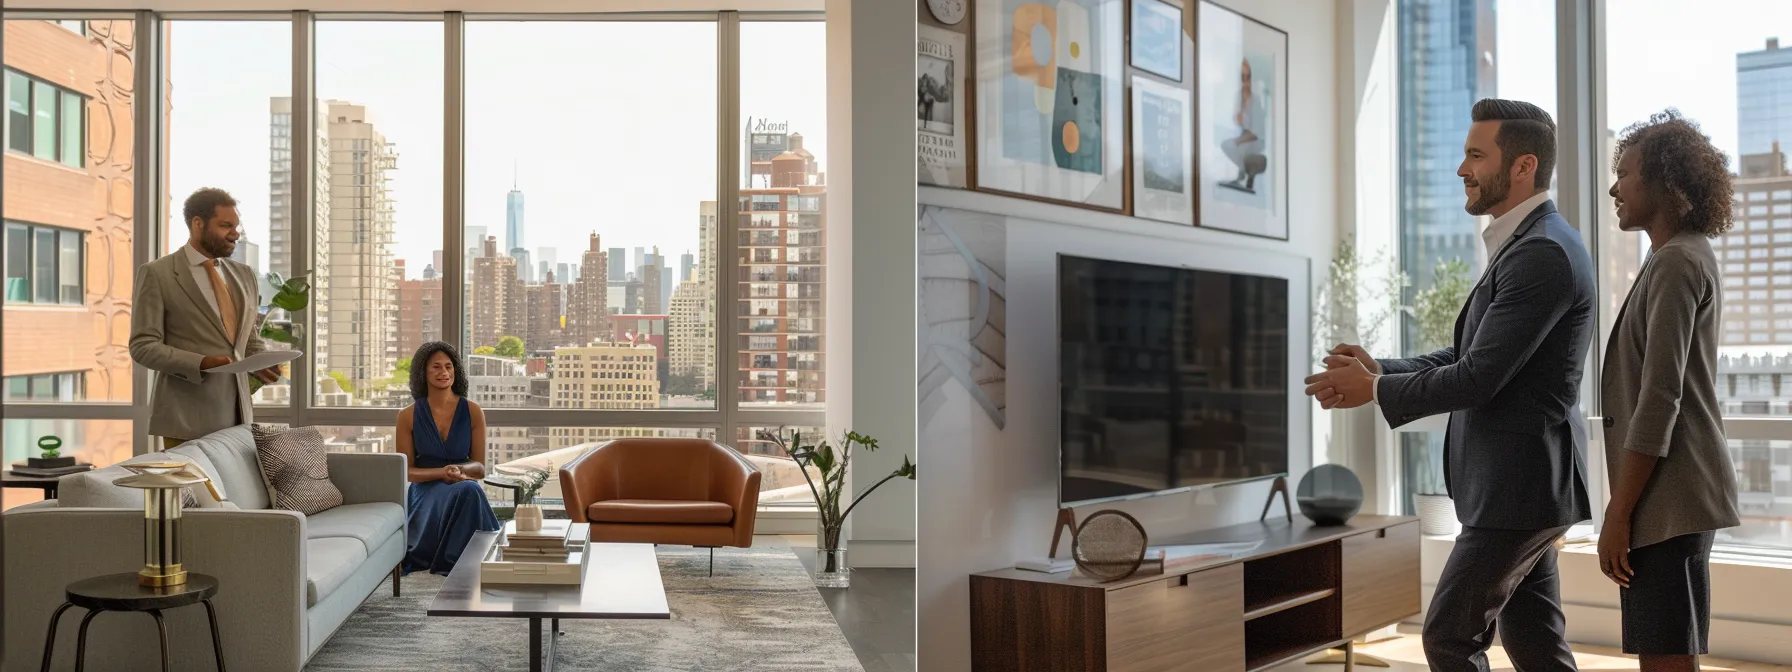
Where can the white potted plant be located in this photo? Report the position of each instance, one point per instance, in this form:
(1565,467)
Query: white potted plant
(833,464)
(528,513)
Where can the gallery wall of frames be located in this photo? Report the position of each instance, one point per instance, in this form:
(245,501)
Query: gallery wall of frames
(1168,110)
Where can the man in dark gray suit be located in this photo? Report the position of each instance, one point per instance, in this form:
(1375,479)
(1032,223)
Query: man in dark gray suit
(1514,455)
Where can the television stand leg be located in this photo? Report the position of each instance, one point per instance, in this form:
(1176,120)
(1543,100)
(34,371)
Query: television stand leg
(1066,519)
(1280,485)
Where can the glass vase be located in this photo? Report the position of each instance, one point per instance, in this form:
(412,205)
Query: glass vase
(831,570)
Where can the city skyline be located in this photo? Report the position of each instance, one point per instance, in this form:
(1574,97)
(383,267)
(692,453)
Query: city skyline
(643,202)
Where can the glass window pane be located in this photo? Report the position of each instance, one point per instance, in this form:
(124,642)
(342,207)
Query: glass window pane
(44,265)
(1452,54)
(74,200)
(18,262)
(1754,363)
(68,267)
(781,481)
(780,345)
(43,120)
(18,112)
(73,129)
(101,443)
(18,387)
(231,86)
(622,325)
(382,122)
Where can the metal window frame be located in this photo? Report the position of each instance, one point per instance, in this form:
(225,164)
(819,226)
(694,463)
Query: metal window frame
(726,419)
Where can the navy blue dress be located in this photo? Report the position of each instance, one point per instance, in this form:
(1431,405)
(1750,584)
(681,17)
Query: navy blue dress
(443,516)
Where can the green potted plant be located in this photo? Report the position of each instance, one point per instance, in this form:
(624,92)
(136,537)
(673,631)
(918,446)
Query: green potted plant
(833,464)
(290,296)
(1434,310)
(50,455)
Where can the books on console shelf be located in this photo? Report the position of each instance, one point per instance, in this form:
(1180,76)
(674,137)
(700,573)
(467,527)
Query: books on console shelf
(24,469)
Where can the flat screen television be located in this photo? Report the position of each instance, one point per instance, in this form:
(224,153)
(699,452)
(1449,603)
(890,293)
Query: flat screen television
(1170,378)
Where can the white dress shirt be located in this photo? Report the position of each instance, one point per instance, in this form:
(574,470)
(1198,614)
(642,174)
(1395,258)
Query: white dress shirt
(1496,235)
(203,278)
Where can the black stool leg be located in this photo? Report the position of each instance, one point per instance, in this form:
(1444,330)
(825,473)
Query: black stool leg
(396,573)
(81,642)
(50,641)
(161,628)
(712,561)
(211,614)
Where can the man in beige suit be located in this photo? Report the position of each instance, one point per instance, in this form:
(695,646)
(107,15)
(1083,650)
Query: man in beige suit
(194,310)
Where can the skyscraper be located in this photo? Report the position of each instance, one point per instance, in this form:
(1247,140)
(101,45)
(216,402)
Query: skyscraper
(666,284)
(651,278)
(1756,282)
(686,262)
(496,304)
(781,299)
(363,308)
(618,261)
(513,229)
(1764,98)
(1446,64)
(419,312)
(280,214)
(587,304)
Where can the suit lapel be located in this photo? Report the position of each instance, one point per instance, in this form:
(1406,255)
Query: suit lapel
(1530,221)
(183,276)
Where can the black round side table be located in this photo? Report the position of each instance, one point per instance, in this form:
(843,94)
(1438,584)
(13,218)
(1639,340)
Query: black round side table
(120,592)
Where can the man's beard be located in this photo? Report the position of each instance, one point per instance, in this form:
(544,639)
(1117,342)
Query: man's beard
(217,247)
(1493,191)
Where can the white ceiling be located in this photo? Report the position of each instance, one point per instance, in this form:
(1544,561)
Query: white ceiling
(488,6)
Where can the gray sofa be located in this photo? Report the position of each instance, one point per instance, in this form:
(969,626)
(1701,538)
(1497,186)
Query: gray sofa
(286,581)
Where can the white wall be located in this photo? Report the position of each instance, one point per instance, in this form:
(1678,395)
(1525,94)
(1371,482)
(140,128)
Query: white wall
(989,498)
(871,264)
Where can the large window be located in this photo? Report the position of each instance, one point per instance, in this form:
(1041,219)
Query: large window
(588,241)
(68,255)
(1729,72)
(45,120)
(781,265)
(1453,53)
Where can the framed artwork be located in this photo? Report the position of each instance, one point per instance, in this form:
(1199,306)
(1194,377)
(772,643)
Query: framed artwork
(1163,183)
(1242,132)
(1156,38)
(939,106)
(1050,100)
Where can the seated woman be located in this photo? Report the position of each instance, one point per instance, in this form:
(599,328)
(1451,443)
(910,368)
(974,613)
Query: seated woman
(443,437)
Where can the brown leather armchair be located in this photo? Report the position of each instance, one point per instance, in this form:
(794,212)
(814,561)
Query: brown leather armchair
(663,491)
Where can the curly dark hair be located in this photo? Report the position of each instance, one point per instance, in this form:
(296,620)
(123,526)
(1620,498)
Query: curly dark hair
(420,369)
(1681,166)
(204,203)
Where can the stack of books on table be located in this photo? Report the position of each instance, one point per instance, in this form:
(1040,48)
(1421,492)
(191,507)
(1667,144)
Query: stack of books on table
(25,469)
(533,557)
(547,544)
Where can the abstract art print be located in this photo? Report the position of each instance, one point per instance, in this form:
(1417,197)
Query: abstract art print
(1050,100)
(1156,37)
(1162,150)
(939,109)
(963,312)
(1243,128)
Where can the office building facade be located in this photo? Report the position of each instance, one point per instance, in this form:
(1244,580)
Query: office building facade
(1764,98)
(363,308)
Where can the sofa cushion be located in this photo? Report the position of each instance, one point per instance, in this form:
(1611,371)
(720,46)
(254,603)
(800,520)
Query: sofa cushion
(297,471)
(664,511)
(372,524)
(237,469)
(328,563)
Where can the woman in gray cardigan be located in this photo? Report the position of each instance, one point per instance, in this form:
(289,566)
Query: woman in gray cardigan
(1672,482)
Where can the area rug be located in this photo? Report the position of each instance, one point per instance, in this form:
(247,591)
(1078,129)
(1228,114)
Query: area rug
(759,612)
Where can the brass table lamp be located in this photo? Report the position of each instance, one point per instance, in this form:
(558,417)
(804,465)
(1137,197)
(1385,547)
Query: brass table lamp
(162,483)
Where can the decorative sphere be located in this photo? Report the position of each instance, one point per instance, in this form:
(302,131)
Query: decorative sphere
(1329,495)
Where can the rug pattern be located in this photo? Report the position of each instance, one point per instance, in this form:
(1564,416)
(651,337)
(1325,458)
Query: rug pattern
(759,612)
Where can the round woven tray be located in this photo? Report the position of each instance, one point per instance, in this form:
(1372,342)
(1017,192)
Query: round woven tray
(1109,545)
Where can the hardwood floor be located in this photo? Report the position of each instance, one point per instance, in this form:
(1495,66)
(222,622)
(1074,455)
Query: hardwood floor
(1406,655)
(877,614)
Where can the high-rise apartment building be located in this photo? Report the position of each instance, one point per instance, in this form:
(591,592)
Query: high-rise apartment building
(280,217)
(1757,254)
(686,263)
(547,303)
(419,312)
(587,303)
(497,303)
(613,376)
(782,300)
(1764,98)
(706,242)
(691,341)
(618,264)
(362,311)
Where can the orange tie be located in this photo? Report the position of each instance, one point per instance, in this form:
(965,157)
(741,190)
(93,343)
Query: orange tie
(226,305)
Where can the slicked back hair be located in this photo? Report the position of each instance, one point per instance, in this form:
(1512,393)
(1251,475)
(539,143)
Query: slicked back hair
(1524,129)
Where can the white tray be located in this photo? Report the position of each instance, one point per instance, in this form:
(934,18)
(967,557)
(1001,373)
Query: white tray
(495,568)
